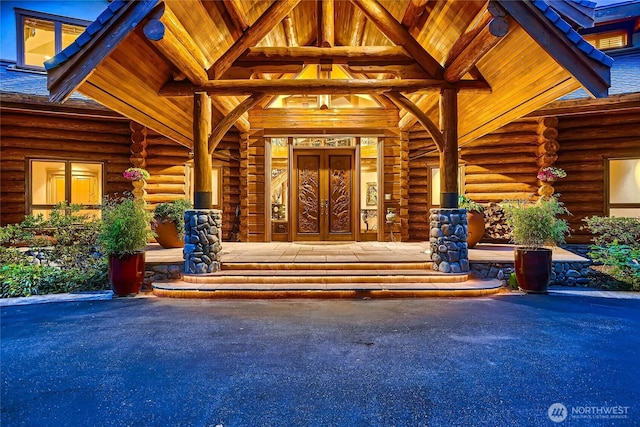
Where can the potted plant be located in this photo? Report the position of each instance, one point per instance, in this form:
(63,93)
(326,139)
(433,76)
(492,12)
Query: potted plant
(475,219)
(168,223)
(123,237)
(535,225)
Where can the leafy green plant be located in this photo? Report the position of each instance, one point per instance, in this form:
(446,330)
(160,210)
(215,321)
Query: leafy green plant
(465,202)
(71,260)
(617,246)
(173,211)
(536,224)
(125,226)
(28,280)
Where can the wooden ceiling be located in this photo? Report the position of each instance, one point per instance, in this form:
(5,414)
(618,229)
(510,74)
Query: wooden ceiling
(149,57)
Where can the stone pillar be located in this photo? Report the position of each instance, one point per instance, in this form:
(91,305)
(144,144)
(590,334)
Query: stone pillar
(448,237)
(202,240)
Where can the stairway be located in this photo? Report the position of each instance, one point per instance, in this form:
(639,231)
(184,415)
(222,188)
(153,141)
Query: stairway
(325,280)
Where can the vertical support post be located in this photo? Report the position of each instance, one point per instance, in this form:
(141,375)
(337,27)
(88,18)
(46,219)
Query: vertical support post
(449,153)
(201,158)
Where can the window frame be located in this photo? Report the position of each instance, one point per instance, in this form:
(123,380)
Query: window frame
(57,20)
(30,206)
(607,186)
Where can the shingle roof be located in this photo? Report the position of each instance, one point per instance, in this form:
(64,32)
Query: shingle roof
(625,76)
(86,36)
(26,82)
(572,34)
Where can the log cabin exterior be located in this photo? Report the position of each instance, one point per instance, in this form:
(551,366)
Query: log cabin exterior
(376,75)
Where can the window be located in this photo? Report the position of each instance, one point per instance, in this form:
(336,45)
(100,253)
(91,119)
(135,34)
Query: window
(623,189)
(434,175)
(216,184)
(40,36)
(55,181)
(608,40)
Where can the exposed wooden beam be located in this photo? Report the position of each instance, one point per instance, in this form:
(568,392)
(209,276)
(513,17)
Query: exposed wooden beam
(225,124)
(236,14)
(477,24)
(488,38)
(416,15)
(290,32)
(449,150)
(247,70)
(399,35)
(269,19)
(412,71)
(226,105)
(201,157)
(166,32)
(314,87)
(425,121)
(359,22)
(325,23)
(336,55)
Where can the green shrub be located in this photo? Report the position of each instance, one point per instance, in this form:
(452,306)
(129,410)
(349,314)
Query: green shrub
(125,227)
(534,225)
(617,246)
(173,211)
(71,261)
(465,202)
(27,280)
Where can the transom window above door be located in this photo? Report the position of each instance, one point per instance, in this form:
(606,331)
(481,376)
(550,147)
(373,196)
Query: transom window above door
(319,142)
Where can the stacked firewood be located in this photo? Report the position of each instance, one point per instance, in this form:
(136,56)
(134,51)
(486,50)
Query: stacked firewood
(496,228)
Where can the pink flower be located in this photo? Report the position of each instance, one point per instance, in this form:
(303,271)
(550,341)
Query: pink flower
(550,174)
(136,174)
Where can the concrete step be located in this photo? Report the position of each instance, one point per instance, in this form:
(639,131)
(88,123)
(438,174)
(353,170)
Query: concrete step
(324,277)
(468,288)
(270,266)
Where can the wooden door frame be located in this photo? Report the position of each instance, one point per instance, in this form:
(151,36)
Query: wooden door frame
(324,234)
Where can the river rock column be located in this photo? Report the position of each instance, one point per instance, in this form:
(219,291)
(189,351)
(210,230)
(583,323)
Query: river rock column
(202,240)
(448,237)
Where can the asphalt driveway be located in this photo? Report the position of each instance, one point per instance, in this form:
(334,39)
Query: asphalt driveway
(502,361)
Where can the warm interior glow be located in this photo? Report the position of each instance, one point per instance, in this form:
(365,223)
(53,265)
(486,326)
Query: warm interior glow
(313,101)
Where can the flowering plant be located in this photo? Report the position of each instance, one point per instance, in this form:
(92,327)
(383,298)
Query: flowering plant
(136,174)
(551,174)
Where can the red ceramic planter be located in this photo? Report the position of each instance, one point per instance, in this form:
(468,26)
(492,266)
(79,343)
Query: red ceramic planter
(533,269)
(126,274)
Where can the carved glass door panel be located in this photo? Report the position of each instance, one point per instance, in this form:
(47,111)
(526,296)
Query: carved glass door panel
(324,199)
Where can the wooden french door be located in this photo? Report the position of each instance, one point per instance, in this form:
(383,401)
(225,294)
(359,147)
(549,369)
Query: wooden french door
(324,194)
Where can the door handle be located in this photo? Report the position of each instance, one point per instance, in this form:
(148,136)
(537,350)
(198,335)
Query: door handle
(324,207)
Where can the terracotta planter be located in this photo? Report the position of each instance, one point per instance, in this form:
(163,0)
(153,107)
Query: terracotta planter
(475,225)
(126,274)
(533,269)
(167,235)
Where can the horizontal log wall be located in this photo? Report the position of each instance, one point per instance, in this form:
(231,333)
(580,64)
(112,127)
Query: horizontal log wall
(585,142)
(166,162)
(45,135)
(498,166)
